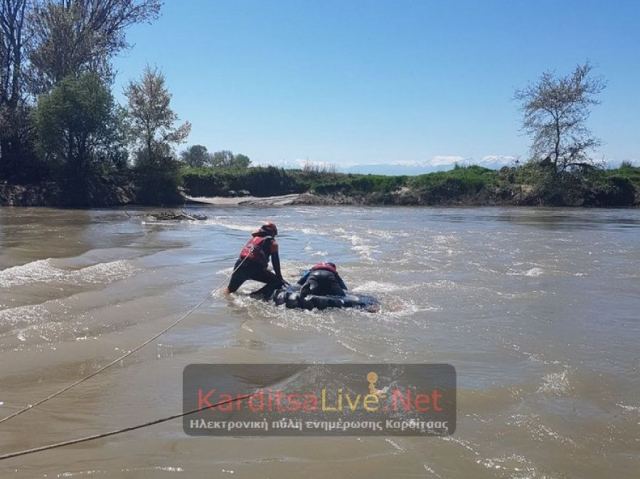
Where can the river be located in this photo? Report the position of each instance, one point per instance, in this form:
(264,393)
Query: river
(537,309)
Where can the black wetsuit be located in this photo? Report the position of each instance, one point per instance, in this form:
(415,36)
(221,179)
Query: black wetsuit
(247,268)
(322,282)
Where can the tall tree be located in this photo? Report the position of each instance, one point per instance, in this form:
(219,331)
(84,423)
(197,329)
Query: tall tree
(226,159)
(241,161)
(555,113)
(14,124)
(153,128)
(12,38)
(152,119)
(74,36)
(79,132)
(222,159)
(196,156)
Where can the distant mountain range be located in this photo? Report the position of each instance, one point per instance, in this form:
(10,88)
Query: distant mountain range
(394,169)
(443,163)
(417,168)
(437,163)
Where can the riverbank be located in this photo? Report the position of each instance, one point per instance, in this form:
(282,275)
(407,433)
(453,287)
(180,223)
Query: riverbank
(526,185)
(104,192)
(310,199)
(282,200)
(522,185)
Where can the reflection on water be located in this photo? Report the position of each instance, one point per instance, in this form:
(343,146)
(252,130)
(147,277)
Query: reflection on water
(536,308)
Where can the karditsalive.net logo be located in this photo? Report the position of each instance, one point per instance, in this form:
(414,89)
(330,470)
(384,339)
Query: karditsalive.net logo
(319,399)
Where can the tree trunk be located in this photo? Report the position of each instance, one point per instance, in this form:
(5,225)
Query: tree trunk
(557,147)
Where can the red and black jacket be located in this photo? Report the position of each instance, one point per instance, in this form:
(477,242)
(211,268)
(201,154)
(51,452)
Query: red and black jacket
(259,249)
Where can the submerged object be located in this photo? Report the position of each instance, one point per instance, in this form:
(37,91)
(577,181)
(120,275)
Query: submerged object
(290,297)
(173,216)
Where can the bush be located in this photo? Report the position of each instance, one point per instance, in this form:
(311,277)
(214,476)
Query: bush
(454,184)
(356,184)
(259,181)
(157,181)
(614,190)
(529,184)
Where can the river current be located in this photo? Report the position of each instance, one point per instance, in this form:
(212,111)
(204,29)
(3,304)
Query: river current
(537,309)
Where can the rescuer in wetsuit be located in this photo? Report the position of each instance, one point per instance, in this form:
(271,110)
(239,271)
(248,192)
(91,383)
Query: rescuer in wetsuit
(253,263)
(322,279)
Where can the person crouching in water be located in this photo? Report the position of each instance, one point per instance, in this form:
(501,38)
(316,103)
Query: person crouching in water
(322,279)
(253,263)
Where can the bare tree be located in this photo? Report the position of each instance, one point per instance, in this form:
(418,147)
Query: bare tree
(12,23)
(13,111)
(75,36)
(555,113)
(152,119)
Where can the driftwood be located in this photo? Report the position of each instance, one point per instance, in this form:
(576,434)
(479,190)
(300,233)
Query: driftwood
(173,216)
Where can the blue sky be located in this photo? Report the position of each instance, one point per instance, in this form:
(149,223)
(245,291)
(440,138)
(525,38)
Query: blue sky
(371,82)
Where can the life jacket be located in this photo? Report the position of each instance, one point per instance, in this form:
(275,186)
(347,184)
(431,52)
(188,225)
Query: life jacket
(325,267)
(254,250)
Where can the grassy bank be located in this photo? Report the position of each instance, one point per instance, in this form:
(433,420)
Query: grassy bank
(526,185)
(473,185)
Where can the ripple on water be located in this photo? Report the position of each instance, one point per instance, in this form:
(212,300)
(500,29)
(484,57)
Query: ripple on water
(514,466)
(531,272)
(44,271)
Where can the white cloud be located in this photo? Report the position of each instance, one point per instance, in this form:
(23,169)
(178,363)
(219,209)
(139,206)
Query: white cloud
(445,160)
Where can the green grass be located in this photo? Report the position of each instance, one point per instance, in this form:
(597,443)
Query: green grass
(269,181)
(259,181)
(631,173)
(461,179)
(461,185)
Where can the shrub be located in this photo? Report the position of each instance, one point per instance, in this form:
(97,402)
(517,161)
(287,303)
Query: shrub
(259,181)
(157,181)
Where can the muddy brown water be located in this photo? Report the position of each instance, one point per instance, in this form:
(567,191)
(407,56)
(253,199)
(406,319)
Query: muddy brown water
(538,310)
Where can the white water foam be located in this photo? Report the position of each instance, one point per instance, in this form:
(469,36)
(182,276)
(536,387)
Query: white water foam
(229,225)
(626,407)
(379,287)
(360,245)
(556,383)
(36,271)
(43,271)
(532,272)
(36,313)
(253,224)
(386,234)
(514,466)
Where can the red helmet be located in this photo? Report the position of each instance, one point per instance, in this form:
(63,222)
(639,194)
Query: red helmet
(325,266)
(269,228)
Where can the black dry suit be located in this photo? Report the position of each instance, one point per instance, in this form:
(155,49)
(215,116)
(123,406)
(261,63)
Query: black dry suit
(322,280)
(254,261)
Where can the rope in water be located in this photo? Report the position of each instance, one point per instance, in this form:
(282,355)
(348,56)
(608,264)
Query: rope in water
(98,371)
(118,431)
(66,388)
